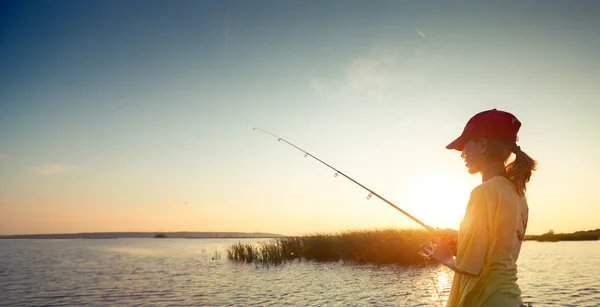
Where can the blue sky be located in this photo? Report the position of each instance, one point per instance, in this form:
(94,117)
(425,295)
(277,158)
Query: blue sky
(138,115)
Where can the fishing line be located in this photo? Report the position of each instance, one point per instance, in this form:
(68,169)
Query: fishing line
(426,249)
(337,172)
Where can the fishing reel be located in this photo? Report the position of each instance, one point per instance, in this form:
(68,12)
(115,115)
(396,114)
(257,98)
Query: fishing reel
(428,248)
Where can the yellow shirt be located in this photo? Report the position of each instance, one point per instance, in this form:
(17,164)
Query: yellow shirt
(489,242)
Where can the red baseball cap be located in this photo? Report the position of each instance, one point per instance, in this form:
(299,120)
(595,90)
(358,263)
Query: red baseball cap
(493,124)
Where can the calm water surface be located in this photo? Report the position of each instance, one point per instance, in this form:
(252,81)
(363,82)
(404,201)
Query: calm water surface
(196,272)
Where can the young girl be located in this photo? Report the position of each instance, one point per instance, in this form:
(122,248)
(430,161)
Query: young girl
(492,230)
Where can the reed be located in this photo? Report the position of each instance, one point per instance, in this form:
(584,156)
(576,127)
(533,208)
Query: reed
(378,246)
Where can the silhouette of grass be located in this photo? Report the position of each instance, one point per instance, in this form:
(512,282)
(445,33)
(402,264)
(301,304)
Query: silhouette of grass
(378,246)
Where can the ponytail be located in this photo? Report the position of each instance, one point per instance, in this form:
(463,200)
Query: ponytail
(519,171)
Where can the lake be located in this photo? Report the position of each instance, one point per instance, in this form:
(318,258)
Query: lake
(196,272)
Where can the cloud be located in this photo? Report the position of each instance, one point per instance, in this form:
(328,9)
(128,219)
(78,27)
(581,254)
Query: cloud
(383,72)
(366,76)
(49,169)
(317,87)
(420,33)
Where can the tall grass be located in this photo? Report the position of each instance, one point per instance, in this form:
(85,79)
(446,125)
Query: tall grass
(380,246)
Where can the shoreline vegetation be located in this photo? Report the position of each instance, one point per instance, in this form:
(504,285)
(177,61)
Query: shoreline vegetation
(383,246)
(550,236)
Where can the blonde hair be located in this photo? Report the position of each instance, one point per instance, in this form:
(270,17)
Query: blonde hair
(518,171)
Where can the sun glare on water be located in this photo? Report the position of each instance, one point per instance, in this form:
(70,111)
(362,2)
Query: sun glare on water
(439,200)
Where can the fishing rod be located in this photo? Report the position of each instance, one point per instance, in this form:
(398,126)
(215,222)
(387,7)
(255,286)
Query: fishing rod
(337,172)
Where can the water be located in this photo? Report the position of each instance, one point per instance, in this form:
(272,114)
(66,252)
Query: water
(196,272)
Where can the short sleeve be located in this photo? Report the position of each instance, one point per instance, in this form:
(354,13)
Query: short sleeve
(473,238)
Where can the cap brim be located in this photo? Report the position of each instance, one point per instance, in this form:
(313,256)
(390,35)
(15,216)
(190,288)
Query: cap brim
(458,144)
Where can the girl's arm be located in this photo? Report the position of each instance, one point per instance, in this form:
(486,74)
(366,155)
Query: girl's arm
(450,236)
(443,254)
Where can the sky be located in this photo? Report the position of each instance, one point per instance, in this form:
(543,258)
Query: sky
(138,115)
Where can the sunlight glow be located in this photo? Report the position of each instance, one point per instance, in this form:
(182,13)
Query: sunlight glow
(441,282)
(440,199)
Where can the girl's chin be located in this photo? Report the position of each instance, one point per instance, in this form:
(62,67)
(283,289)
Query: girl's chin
(472,170)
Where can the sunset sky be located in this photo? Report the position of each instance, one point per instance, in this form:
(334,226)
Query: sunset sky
(138,115)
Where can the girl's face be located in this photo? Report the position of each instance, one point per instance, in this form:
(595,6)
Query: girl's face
(473,154)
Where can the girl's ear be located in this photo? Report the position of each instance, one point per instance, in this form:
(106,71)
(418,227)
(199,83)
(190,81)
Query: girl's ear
(482,144)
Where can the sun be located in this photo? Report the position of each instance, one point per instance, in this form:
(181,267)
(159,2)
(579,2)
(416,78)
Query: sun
(440,199)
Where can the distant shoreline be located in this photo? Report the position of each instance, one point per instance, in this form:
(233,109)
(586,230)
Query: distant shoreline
(590,235)
(550,236)
(112,238)
(149,235)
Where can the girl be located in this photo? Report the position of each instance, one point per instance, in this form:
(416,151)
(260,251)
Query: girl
(492,230)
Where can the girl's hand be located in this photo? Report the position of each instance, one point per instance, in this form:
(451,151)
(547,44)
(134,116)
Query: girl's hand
(451,234)
(442,252)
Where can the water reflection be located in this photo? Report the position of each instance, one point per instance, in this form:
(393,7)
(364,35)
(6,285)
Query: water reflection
(133,250)
(439,284)
(184,273)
